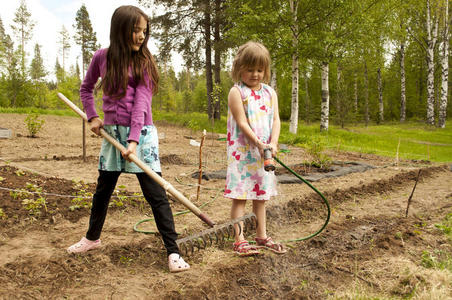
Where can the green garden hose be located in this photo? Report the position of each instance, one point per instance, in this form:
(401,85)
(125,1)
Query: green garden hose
(135,227)
(320,194)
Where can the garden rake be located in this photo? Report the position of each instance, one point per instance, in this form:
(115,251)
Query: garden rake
(216,234)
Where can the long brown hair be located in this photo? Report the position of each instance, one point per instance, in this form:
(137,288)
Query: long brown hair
(120,55)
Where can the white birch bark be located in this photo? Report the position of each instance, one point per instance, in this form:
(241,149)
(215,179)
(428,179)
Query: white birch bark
(339,96)
(273,79)
(381,117)
(432,30)
(355,96)
(444,69)
(324,114)
(294,107)
(307,99)
(366,94)
(402,83)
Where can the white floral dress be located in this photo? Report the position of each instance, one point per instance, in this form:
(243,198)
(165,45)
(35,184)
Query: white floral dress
(246,177)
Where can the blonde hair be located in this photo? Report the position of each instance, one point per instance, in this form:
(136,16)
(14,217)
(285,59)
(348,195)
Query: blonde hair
(251,54)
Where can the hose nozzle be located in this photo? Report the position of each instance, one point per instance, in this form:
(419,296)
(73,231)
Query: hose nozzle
(269,164)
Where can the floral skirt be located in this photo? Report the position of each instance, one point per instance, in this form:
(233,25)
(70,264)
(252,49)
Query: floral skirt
(110,158)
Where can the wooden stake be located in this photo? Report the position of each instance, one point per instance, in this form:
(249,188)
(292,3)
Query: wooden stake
(397,153)
(412,192)
(200,163)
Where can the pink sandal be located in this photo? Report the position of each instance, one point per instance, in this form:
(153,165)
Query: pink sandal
(176,263)
(269,244)
(243,248)
(83,246)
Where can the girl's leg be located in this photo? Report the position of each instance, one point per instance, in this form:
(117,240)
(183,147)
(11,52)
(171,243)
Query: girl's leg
(259,211)
(261,232)
(155,195)
(237,211)
(106,183)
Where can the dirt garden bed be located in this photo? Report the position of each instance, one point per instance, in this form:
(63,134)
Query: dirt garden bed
(369,247)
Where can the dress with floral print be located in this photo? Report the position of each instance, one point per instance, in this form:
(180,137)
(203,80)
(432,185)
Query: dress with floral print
(246,177)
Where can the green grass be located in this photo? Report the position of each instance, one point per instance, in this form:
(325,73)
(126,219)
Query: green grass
(417,141)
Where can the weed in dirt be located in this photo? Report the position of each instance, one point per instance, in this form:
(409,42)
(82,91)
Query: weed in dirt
(2,214)
(437,259)
(446,226)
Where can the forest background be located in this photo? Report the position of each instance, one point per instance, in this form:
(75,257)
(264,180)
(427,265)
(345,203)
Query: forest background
(344,61)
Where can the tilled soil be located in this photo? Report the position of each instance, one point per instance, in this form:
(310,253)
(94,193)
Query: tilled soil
(371,247)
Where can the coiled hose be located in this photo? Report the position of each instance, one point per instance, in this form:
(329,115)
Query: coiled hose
(315,190)
(135,228)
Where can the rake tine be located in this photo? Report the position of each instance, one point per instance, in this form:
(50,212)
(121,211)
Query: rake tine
(218,234)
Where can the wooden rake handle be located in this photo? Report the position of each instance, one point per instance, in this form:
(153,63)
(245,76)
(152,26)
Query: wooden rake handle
(162,182)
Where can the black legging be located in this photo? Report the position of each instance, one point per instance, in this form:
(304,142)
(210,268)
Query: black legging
(154,194)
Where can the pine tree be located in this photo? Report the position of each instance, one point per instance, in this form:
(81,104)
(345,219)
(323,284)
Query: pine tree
(65,46)
(23,30)
(37,70)
(85,37)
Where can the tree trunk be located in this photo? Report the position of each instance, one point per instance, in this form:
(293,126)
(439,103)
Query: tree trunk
(339,97)
(355,96)
(294,107)
(444,69)
(402,83)
(366,95)
(217,59)
(381,117)
(208,53)
(432,28)
(325,97)
(307,99)
(273,82)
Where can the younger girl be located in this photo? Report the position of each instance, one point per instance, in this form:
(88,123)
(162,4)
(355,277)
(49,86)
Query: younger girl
(253,125)
(129,79)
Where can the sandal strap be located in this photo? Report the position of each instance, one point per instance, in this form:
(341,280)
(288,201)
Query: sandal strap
(269,243)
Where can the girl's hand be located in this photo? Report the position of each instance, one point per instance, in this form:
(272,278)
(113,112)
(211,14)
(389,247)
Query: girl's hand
(260,146)
(274,148)
(95,124)
(131,149)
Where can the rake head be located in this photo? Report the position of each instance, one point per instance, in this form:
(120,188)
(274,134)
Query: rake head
(216,235)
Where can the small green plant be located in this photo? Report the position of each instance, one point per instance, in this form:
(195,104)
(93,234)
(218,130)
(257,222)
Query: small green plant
(119,199)
(125,260)
(82,197)
(437,260)
(34,206)
(2,214)
(34,124)
(315,148)
(446,226)
(19,173)
(19,194)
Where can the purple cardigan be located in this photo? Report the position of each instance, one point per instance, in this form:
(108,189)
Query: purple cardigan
(132,110)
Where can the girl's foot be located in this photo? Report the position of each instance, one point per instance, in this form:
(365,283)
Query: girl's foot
(269,244)
(83,246)
(243,248)
(176,263)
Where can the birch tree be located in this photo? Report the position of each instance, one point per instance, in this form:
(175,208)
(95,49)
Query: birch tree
(444,66)
(294,103)
(431,26)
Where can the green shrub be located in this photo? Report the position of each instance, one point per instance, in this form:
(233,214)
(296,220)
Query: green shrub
(34,124)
